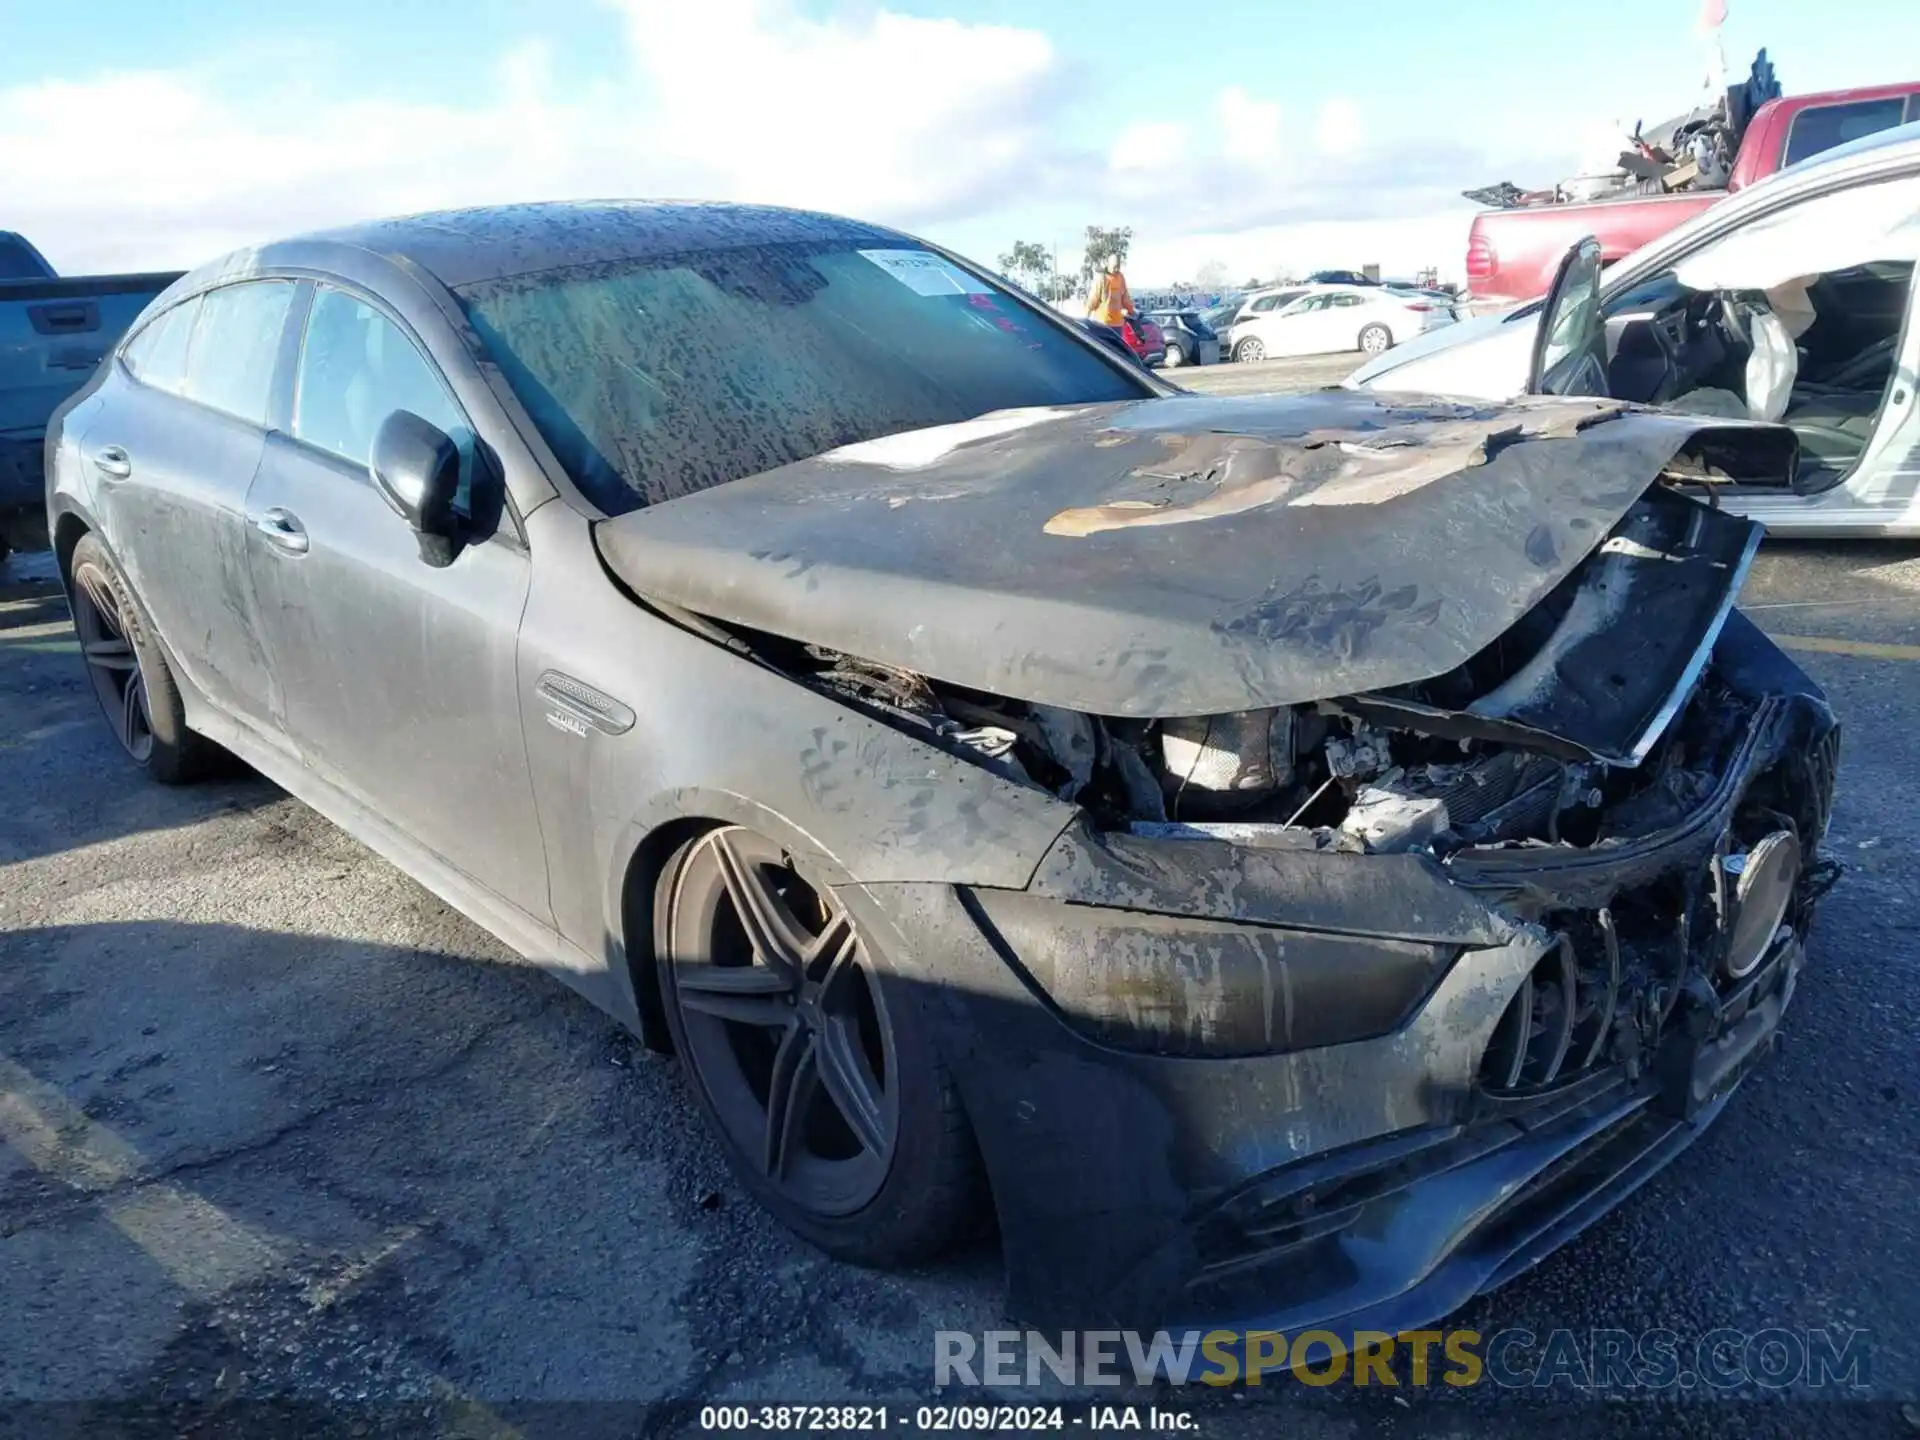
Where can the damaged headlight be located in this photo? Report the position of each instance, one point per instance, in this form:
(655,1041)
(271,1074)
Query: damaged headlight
(1180,985)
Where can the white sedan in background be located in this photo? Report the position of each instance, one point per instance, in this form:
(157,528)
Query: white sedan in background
(1329,318)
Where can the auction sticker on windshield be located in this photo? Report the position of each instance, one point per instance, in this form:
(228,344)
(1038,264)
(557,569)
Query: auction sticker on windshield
(926,274)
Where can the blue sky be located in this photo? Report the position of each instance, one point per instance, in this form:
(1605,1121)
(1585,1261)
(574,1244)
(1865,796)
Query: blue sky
(1253,134)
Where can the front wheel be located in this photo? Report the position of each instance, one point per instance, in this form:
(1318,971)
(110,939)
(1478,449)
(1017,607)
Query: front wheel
(1249,349)
(809,1059)
(1376,339)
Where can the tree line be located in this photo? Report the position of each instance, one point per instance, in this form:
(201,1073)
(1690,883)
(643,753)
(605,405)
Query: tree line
(1033,267)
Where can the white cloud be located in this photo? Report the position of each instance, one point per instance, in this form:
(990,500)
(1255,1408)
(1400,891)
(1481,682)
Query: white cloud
(1339,129)
(937,125)
(1249,128)
(892,117)
(1149,145)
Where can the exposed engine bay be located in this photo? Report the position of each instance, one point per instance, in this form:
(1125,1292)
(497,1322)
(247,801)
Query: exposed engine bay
(1563,732)
(1315,777)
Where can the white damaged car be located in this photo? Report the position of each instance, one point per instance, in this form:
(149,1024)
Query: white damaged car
(1793,301)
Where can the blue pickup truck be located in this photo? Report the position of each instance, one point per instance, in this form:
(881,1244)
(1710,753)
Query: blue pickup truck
(53,332)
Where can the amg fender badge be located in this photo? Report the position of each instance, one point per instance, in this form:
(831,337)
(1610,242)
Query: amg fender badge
(577,705)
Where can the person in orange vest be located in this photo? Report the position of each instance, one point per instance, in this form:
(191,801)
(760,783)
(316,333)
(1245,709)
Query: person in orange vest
(1110,303)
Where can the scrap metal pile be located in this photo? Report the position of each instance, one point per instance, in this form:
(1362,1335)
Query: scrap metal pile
(1694,151)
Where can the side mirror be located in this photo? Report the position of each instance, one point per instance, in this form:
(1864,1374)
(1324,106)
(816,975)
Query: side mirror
(416,468)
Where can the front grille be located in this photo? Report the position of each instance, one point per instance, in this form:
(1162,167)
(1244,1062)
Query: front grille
(1561,1020)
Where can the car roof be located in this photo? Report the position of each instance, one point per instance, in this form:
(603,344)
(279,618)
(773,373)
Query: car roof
(466,247)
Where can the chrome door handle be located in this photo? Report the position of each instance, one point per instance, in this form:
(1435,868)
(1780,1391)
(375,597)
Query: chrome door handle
(112,461)
(283,532)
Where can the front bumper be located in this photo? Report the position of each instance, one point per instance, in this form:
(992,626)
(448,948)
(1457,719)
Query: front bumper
(1378,1182)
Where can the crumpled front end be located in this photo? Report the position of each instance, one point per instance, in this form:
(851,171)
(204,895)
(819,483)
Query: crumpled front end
(1278,1085)
(1441,848)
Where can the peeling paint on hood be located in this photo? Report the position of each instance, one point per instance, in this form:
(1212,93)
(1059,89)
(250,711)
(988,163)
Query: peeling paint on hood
(1326,544)
(1209,474)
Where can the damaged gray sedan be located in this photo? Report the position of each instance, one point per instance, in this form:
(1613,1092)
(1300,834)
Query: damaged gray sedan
(1296,860)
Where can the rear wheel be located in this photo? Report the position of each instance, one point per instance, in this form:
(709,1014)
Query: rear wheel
(1176,357)
(1376,339)
(809,1059)
(130,676)
(1249,349)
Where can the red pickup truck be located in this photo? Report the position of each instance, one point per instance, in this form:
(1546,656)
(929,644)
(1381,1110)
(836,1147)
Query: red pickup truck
(1511,253)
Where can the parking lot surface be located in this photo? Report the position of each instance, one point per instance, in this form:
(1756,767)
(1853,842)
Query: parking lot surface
(1265,376)
(275,1122)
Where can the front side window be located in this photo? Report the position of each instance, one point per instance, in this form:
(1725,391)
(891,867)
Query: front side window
(655,379)
(1826,126)
(235,346)
(356,368)
(157,356)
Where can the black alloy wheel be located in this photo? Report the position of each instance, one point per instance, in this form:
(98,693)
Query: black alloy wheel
(812,1068)
(99,619)
(129,671)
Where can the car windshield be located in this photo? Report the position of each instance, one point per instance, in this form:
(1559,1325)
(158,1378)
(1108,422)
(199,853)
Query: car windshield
(656,379)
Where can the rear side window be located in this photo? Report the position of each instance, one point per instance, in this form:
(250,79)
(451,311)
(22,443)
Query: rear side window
(1826,126)
(356,368)
(157,356)
(236,345)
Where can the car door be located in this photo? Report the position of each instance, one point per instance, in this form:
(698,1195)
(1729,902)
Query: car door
(1293,331)
(398,676)
(176,439)
(1347,315)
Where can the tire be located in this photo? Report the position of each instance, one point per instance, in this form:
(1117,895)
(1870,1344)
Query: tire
(131,679)
(1249,349)
(1176,357)
(1376,339)
(894,1186)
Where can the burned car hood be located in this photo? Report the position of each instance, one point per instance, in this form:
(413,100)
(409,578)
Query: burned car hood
(1184,555)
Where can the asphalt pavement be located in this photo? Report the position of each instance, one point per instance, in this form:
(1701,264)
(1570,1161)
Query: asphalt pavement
(1264,376)
(275,1123)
